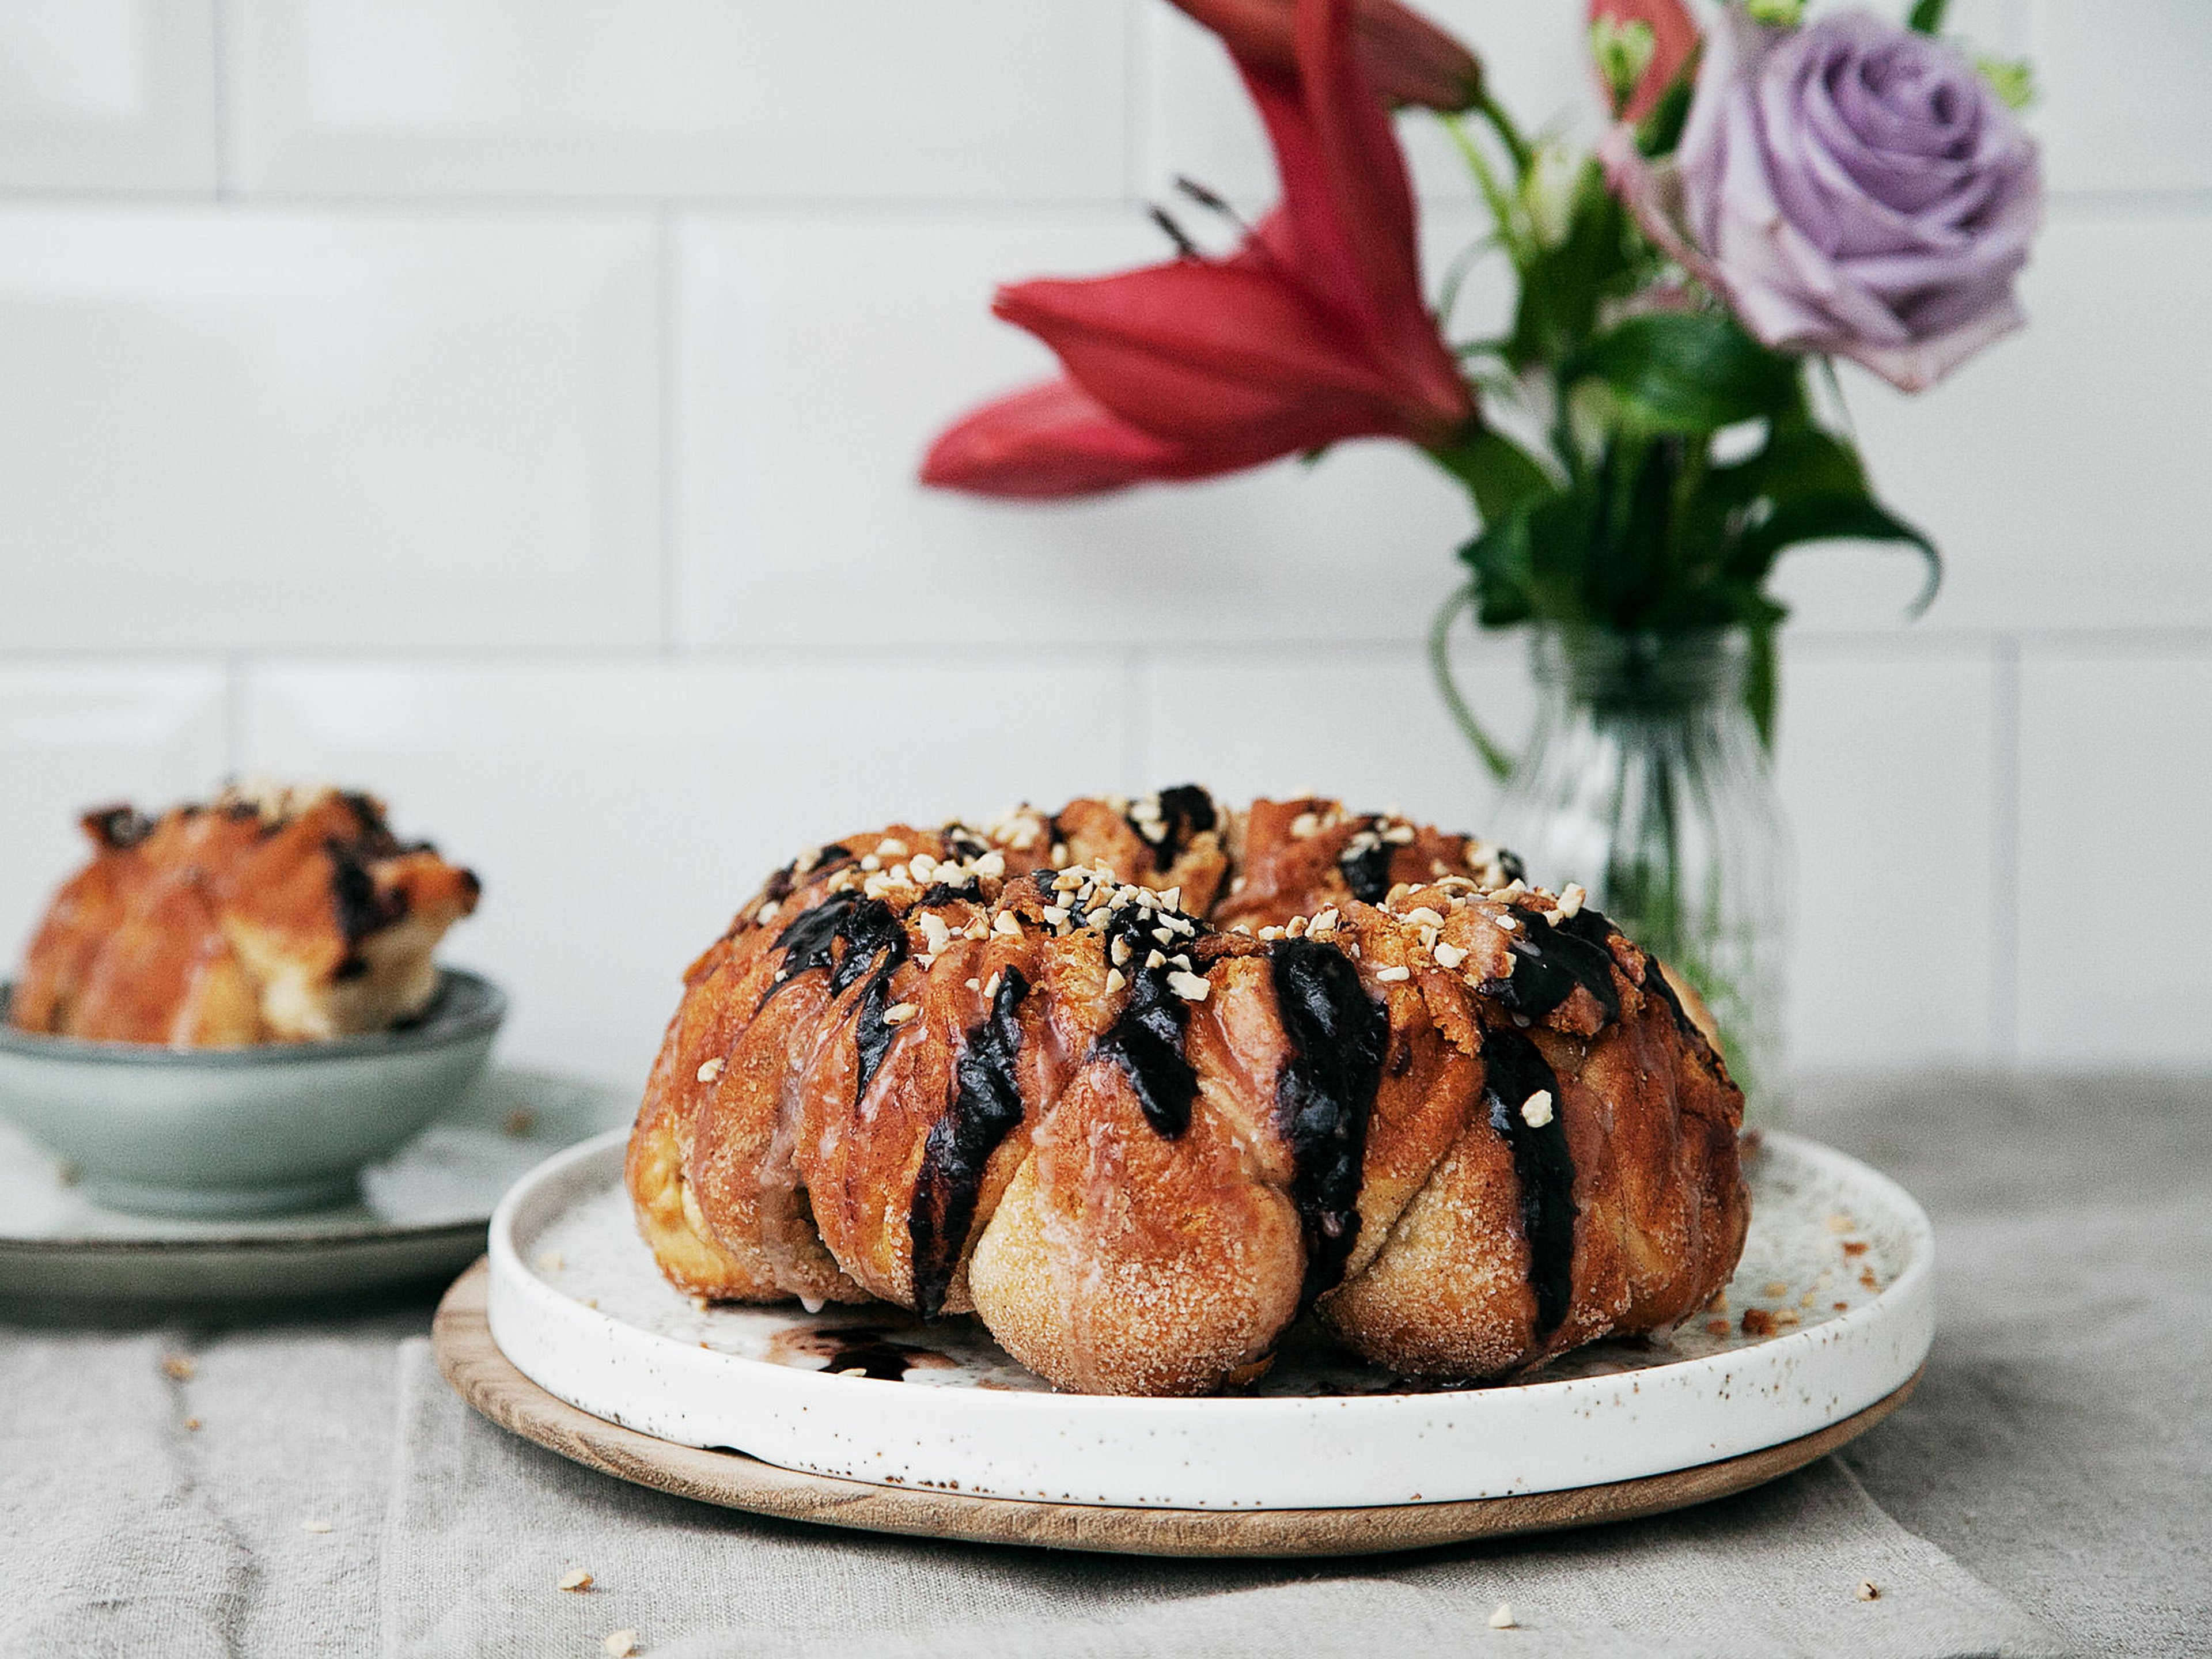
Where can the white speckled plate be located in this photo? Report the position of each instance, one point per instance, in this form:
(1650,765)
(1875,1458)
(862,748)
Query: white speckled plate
(1835,1287)
(421,1214)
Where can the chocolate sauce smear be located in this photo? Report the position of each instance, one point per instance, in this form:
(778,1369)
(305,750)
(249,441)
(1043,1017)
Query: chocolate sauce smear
(987,1108)
(1325,1094)
(806,943)
(1147,1041)
(1551,959)
(1186,811)
(1367,871)
(867,1349)
(1514,1071)
(875,944)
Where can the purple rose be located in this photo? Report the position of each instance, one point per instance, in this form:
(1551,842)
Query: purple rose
(1858,189)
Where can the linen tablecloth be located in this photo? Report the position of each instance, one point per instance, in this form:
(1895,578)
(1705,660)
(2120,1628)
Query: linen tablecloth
(2049,1489)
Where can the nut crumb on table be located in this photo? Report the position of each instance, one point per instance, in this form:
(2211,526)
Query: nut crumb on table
(182,1367)
(1503,1619)
(576,1579)
(1868,1590)
(621,1644)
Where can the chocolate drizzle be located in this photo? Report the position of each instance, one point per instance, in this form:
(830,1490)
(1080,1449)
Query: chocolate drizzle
(361,907)
(1147,1041)
(806,943)
(1514,1071)
(1325,1094)
(1551,959)
(985,1108)
(875,944)
(118,828)
(1366,865)
(1186,811)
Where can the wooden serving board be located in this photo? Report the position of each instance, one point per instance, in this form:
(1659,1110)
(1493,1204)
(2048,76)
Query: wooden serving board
(483,1375)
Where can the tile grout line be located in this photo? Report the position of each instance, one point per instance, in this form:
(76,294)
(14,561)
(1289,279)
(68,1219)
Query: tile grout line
(2004,854)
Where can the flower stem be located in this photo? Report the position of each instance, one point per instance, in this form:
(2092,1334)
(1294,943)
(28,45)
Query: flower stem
(1499,762)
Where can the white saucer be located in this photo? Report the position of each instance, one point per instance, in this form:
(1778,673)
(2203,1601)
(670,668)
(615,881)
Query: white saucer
(420,1214)
(576,1304)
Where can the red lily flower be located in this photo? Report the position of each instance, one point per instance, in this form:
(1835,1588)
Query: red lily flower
(1675,42)
(1315,331)
(1408,58)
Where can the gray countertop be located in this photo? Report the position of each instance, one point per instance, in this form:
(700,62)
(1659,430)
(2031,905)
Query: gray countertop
(2060,1447)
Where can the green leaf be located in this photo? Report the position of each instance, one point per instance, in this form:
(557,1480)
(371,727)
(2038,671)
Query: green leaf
(1832,518)
(1687,372)
(1501,476)
(1796,460)
(1502,576)
(1662,129)
(1927,17)
(1761,683)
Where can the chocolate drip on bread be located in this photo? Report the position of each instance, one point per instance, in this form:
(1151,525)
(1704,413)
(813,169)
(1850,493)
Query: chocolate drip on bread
(1169,820)
(1325,1094)
(875,944)
(985,1108)
(1551,958)
(1523,1093)
(1366,865)
(808,943)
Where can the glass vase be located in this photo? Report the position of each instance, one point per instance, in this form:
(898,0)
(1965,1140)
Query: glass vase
(1646,781)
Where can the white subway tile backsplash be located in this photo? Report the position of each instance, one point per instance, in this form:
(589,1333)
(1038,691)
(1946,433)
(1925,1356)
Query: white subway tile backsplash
(498,447)
(78,735)
(2061,472)
(818,359)
(107,94)
(1364,724)
(1888,762)
(619,813)
(873,99)
(2121,102)
(226,429)
(2114,798)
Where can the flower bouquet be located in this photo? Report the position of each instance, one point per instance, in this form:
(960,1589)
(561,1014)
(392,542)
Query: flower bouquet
(1657,421)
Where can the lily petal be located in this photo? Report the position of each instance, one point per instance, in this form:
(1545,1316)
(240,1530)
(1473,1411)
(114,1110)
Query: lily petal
(1193,350)
(1054,440)
(1408,59)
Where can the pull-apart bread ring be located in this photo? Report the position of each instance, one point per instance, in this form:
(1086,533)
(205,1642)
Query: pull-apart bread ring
(273,913)
(1141,1083)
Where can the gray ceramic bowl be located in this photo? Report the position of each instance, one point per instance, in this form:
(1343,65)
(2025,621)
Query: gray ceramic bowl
(244,1131)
